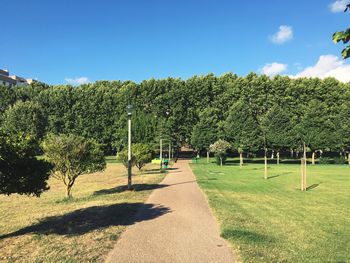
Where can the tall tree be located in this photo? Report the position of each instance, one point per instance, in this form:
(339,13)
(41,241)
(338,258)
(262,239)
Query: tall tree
(206,132)
(242,130)
(279,130)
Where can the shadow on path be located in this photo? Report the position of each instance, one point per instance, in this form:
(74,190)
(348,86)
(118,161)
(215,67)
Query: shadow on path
(85,220)
(123,188)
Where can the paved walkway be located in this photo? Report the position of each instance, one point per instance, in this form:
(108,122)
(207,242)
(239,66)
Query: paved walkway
(187,233)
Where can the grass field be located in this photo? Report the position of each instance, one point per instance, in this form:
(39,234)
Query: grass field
(53,229)
(272,220)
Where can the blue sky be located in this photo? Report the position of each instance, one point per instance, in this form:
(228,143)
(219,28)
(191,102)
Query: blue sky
(78,41)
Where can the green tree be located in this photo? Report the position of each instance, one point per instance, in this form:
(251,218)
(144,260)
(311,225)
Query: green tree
(220,149)
(279,130)
(20,171)
(72,156)
(122,156)
(242,130)
(142,154)
(205,132)
(343,36)
(25,118)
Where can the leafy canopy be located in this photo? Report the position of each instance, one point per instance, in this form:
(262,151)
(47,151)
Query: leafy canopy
(72,156)
(20,171)
(343,36)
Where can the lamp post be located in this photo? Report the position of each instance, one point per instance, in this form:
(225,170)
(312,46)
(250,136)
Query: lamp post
(129,112)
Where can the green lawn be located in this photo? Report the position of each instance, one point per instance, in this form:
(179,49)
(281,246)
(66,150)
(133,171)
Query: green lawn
(272,220)
(52,229)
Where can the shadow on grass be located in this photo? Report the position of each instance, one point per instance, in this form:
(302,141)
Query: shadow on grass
(123,188)
(246,236)
(85,220)
(312,187)
(261,161)
(277,175)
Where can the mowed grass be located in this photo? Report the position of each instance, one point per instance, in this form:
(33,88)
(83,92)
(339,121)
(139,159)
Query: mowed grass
(53,229)
(272,220)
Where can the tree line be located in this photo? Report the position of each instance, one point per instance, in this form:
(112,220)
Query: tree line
(253,113)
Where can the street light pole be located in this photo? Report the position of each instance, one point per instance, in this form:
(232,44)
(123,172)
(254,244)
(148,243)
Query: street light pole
(161,153)
(129,111)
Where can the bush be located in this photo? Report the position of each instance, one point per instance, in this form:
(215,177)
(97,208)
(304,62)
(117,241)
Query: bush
(336,160)
(122,157)
(20,171)
(339,160)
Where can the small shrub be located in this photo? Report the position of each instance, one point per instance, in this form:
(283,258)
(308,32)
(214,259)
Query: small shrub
(325,160)
(336,160)
(339,160)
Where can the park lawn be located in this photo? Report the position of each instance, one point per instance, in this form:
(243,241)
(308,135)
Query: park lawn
(272,220)
(53,229)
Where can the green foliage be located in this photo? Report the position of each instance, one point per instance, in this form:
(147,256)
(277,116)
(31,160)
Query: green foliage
(122,157)
(142,154)
(242,129)
(205,132)
(72,156)
(279,129)
(317,127)
(25,118)
(345,37)
(20,171)
(196,111)
(328,160)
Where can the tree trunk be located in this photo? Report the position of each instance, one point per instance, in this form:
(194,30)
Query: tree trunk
(291,153)
(278,157)
(303,170)
(69,191)
(221,161)
(207,156)
(265,161)
(349,158)
(240,159)
(313,158)
(302,174)
(273,154)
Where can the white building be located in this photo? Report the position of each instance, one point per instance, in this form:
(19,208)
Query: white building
(11,81)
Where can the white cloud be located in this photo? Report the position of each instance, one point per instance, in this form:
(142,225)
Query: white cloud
(284,34)
(327,66)
(338,6)
(77,81)
(272,69)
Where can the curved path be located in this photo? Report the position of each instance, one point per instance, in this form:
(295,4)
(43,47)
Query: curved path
(188,232)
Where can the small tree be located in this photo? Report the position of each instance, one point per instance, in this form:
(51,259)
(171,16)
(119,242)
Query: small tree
(122,157)
(72,156)
(220,149)
(142,153)
(20,171)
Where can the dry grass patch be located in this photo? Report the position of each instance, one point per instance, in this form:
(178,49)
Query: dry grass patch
(54,229)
